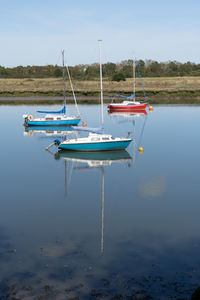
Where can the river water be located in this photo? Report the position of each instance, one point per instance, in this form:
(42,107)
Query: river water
(121,225)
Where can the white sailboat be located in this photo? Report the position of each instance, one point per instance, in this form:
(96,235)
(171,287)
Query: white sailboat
(96,141)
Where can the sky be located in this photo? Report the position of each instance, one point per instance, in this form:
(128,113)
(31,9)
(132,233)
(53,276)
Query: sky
(35,32)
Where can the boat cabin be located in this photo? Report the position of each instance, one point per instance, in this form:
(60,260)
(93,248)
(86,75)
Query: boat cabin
(94,137)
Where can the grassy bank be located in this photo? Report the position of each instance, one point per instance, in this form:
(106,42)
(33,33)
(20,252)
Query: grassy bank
(158,89)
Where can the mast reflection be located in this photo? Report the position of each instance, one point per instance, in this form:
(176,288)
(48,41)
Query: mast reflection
(91,160)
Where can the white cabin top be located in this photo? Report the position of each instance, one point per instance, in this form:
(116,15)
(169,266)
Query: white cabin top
(95,138)
(130,102)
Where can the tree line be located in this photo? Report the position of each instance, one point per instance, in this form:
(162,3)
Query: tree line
(112,71)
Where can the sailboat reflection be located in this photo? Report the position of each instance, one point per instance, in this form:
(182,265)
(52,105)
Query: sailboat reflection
(51,131)
(128,114)
(95,159)
(127,117)
(85,160)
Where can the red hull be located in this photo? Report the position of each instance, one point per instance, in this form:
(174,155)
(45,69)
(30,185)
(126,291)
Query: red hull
(127,107)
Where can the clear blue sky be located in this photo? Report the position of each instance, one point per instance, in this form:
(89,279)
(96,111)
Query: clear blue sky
(34,32)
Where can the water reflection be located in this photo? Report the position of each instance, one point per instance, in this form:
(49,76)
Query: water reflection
(95,159)
(82,161)
(121,118)
(48,131)
(54,243)
(135,113)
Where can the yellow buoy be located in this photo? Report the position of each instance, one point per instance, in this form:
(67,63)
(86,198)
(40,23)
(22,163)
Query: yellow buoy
(84,124)
(141,149)
(150,108)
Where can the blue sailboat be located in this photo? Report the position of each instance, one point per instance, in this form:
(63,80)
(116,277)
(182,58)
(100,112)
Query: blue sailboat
(96,141)
(55,118)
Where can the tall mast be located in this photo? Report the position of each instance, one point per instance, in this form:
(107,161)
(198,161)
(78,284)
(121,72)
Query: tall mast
(101,85)
(134,78)
(63,69)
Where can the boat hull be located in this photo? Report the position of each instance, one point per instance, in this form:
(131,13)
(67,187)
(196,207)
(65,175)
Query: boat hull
(103,146)
(73,122)
(128,108)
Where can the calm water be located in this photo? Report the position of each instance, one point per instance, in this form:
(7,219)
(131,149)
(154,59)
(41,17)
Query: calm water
(101,226)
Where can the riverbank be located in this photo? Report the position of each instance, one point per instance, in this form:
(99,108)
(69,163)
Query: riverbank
(159,90)
(171,98)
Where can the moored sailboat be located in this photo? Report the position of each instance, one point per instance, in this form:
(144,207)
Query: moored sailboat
(130,104)
(55,118)
(96,141)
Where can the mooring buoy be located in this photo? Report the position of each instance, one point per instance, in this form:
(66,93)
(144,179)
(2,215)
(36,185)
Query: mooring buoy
(140,149)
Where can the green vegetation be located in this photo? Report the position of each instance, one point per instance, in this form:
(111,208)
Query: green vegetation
(118,77)
(148,68)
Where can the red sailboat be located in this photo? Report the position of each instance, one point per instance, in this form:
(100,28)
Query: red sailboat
(130,104)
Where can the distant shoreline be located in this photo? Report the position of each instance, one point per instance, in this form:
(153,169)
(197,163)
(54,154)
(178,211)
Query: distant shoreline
(187,97)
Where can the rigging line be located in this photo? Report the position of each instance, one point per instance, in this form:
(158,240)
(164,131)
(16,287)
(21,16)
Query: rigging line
(66,187)
(141,135)
(70,174)
(140,79)
(134,76)
(63,71)
(68,73)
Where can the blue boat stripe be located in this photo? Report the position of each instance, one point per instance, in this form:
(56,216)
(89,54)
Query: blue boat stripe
(96,146)
(53,123)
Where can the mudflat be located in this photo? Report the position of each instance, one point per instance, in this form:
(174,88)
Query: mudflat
(158,89)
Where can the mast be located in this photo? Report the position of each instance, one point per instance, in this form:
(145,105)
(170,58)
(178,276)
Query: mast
(63,69)
(134,78)
(101,84)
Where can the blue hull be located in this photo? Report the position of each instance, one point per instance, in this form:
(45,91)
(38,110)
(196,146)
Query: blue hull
(53,123)
(105,146)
